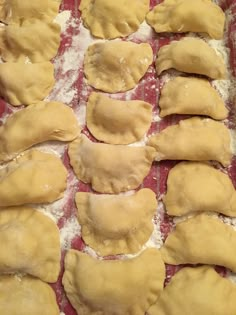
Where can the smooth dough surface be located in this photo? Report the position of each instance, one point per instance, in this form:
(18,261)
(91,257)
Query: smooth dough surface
(114,224)
(30,243)
(111,19)
(117,122)
(194,96)
(188,141)
(206,239)
(34,177)
(16,11)
(196,291)
(110,168)
(116,66)
(179,16)
(195,187)
(44,122)
(26,296)
(26,84)
(119,287)
(191,55)
(18,43)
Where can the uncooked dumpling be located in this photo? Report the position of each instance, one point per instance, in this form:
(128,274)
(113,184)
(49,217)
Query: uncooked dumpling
(30,243)
(196,291)
(195,187)
(116,66)
(114,224)
(117,122)
(34,177)
(110,168)
(111,19)
(16,11)
(194,139)
(26,296)
(202,239)
(194,96)
(191,55)
(18,43)
(121,287)
(179,16)
(44,121)
(26,84)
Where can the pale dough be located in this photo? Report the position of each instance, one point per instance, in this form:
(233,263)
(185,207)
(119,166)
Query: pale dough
(119,287)
(18,42)
(26,84)
(110,19)
(188,141)
(34,177)
(26,296)
(195,187)
(116,66)
(117,122)
(110,168)
(202,239)
(44,122)
(179,16)
(16,11)
(194,96)
(191,55)
(196,291)
(30,243)
(114,224)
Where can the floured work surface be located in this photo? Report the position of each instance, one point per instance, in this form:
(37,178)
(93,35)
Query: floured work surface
(72,89)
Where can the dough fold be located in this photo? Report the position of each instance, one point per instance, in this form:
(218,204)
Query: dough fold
(30,243)
(121,287)
(196,291)
(44,122)
(188,141)
(34,177)
(111,19)
(26,296)
(193,96)
(26,84)
(117,122)
(116,66)
(114,224)
(180,16)
(201,239)
(191,55)
(195,187)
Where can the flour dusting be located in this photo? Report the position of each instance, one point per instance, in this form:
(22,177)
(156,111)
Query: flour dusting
(63,20)
(70,230)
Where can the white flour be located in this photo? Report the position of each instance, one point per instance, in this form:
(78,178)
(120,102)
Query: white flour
(69,231)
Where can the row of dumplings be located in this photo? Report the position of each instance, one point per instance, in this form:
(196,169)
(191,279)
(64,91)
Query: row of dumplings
(118,224)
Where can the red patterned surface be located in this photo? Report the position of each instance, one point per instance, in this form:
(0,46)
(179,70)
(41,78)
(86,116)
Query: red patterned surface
(156,180)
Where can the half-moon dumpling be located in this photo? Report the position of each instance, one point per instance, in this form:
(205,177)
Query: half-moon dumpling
(196,291)
(110,19)
(44,122)
(110,168)
(116,224)
(195,187)
(17,42)
(117,122)
(179,16)
(194,96)
(30,243)
(202,239)
(26,84)
(16,11)
(34,177)
(194,139)
(26,296)
(121,287)
(116,66)
(191,55)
